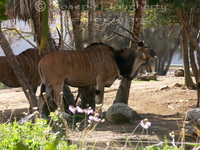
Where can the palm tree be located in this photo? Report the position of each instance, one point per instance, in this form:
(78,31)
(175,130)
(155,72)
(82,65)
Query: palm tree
(31,10)
(26,10)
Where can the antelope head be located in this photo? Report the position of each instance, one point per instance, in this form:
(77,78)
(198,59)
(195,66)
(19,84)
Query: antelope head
(137,53)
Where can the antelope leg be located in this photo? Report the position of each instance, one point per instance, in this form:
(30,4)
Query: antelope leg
(99,97)
(44,88)
(57,97)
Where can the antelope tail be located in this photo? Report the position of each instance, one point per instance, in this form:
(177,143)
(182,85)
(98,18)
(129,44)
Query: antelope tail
(40,73)
(60,39)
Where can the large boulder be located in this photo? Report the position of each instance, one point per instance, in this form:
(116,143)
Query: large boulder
(193,118)
(179,73)
(121,113)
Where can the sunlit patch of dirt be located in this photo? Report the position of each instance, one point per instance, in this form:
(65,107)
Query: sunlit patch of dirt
(164,108)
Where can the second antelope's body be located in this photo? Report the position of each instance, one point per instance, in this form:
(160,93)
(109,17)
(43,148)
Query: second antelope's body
(28,60)
(97,64)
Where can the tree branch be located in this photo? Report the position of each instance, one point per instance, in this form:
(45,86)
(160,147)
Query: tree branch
(192,40)
(21,36)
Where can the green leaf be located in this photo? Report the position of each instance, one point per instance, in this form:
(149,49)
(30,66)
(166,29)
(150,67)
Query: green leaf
(53,145)
(166,144)
(195,144)
(21,146)
(94,146)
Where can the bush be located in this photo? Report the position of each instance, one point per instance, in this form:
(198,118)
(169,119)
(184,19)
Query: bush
(33,136)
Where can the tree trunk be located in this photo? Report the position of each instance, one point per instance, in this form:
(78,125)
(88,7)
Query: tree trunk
(188,80)
(38,27)
(160,63)
(37,18)
(87,96)
(182,15)
(124,88)
(162,66)
(198,91)
(123,91)
(68,96)
(61,31)
(76,23)
(156,65)
(18,71)
(138,17)
(193,62)
(91,17)
(172,53)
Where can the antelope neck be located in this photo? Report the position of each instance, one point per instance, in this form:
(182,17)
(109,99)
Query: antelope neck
(125,59)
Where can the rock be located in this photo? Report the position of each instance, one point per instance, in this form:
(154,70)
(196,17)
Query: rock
(65,116)
(183,88)
(193,115)
(26,119)
(30,117)
(36,114)
(147,76)
(121,113)
(177,85)
(189,129)
(164,87)
(170,107)
(179,73)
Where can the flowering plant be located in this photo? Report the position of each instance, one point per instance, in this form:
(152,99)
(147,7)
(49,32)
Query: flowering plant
(145,124)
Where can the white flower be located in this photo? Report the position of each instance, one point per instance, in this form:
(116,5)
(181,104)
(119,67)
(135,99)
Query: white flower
(145,124)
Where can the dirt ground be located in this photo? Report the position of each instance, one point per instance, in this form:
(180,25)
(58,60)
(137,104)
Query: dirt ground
(165,109)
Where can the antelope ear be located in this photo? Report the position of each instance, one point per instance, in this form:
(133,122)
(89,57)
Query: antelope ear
(141,43)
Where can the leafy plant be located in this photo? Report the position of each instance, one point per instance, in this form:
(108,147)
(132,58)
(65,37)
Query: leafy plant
(2,10)
(29,136)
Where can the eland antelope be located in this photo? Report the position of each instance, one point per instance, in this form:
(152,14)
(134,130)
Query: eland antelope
(96,65)
(28,60)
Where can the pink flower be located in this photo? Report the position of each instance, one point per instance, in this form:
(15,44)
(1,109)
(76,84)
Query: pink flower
(145,124)
(96,114)
(90,111)
(79,110)
(96,119)
(72,109)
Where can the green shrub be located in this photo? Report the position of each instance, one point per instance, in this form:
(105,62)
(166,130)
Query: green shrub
(34,136)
